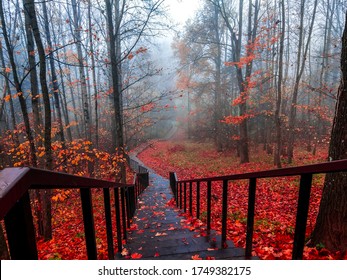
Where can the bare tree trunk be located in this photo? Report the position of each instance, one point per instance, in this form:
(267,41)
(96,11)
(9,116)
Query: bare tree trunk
(35,98)
(84,94)
(277,116)
(114,36)
(29,8)
(8,90)
(18,87)
(218,104)
(93,74)
(301,59)
(54,76)
(331,226)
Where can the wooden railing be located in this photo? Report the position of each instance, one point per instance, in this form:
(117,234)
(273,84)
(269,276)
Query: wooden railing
(15,207)
(179,188)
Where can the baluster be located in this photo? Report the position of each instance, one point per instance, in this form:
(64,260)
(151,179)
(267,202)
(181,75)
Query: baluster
(20,230)
(177,194)
(209,197)
(301,216)
(124,222)
(181,189)
(224,213)
(127,202)
(191,198)
(118,218)
(108,219)
(88,219)
(250,217)
(185,197)
(132,201)
(198,200)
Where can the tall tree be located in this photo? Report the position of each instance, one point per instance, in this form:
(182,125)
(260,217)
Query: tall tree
(277,116)
(303,48)
(115,59)
(35,95)
(54,76)
(18,86)
(331,226)
(29,8)
(243,77)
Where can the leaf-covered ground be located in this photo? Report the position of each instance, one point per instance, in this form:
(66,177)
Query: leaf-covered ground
(276,197)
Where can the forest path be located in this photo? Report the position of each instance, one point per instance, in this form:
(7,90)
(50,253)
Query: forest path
(160,231)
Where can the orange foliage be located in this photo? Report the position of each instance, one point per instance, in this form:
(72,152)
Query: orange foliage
(236,119)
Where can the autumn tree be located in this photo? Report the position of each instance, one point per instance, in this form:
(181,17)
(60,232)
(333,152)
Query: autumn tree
(29,7)
(243,64)
(302,53)
(331,228)
(17,83)
(277,115)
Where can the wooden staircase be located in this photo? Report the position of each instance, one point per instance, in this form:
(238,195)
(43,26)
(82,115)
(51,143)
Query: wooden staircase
(160,231)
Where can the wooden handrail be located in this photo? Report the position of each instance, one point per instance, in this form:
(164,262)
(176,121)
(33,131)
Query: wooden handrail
(14,182)
(305,172)
(325,167)
(15,207)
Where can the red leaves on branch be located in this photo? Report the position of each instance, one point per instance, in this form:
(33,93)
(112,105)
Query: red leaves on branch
(236,119)
(147,107)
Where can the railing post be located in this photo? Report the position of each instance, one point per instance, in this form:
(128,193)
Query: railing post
(124,222)
(250,217)
(118,218)
(224,213)
(301,216)
(145,180)
(108,220)
(185,197)
(191,198)
(88,219)
(20,230)
(198,200)
(128,207)
(181,195)
(132,200)
(209,197)
(173,183)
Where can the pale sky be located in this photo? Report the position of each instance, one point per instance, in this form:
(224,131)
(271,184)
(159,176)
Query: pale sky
(181,10)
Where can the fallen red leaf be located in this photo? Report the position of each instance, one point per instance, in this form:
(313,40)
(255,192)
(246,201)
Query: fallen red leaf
(136,256)
(196,257)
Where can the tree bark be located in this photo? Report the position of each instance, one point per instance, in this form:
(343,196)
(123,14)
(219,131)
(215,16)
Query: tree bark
(18,87)
(29,8)
(218,104)
(54,77)
(301,59)
(35,99)
(114,37)
(83,82)
(93,74)
(277,116)
(8,89)
(331,226)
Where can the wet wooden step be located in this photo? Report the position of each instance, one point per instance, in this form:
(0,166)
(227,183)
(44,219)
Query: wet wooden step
(159,231)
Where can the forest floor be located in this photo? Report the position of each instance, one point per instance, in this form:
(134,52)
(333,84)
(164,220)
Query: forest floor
(276,197)
(275,204)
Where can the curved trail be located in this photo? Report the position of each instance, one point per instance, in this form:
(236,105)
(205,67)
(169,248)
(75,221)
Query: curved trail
(159,231)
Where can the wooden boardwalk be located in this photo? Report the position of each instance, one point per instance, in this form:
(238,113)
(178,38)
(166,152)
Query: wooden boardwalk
(159,231)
